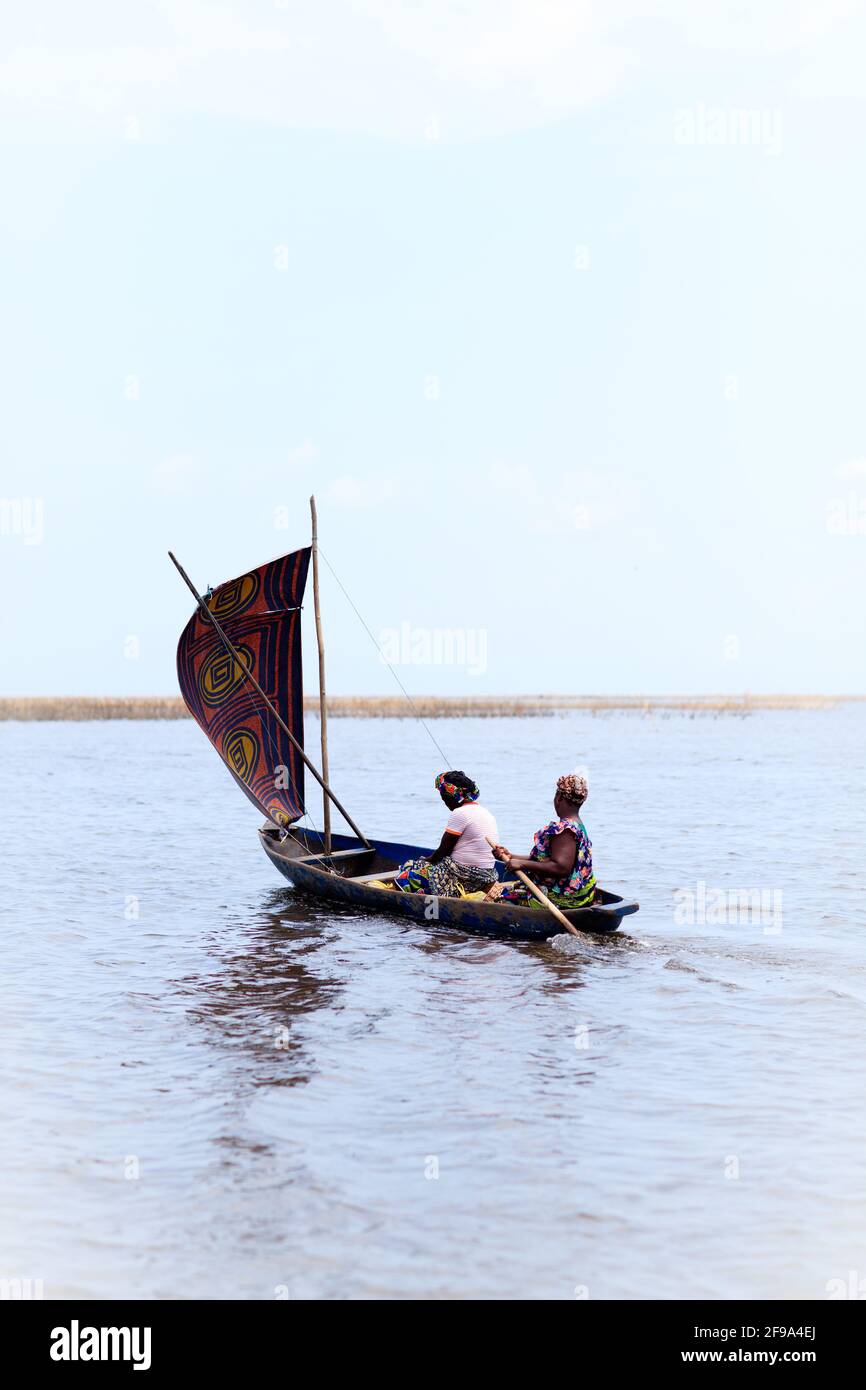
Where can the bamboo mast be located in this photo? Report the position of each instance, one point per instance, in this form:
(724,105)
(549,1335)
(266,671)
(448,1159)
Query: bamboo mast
(323,710)
(233,652)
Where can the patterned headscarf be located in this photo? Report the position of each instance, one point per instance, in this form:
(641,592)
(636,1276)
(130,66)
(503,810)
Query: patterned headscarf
(469,792)
(573,787)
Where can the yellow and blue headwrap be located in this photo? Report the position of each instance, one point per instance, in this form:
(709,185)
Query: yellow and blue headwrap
(458,786)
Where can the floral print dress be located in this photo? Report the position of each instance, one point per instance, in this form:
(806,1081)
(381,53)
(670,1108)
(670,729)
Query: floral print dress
(576,889)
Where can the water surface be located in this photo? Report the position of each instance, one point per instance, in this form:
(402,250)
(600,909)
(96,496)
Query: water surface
(212,1088)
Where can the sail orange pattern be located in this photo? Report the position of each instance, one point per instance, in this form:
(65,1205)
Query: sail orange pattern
(260,613)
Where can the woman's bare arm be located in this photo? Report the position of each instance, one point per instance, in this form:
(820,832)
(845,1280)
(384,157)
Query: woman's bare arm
(446,845)
(563,851)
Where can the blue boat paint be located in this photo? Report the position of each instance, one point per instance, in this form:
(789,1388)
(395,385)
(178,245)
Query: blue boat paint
(514,922)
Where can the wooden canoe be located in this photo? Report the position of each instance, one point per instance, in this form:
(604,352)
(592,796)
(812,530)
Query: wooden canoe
(338,877)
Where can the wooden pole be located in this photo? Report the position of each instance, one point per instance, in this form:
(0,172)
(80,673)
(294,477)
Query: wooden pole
(539,894)
(323,711)
(232,650)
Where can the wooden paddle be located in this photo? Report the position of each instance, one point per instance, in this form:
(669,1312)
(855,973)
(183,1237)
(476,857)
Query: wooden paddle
(539,894)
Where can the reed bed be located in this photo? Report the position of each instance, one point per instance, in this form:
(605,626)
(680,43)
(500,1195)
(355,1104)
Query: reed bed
(85,707)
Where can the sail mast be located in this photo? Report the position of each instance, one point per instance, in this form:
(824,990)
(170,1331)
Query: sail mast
(248,675)
(323,710)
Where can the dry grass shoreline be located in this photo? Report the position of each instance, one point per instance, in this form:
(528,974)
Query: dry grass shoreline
(85,707)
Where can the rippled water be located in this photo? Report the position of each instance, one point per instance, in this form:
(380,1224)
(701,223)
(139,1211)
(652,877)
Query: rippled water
(239,1094)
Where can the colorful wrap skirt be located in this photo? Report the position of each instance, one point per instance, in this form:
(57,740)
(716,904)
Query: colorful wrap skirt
(443,880)
(516,893)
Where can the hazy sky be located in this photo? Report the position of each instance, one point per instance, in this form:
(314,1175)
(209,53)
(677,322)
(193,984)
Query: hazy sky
(558,307)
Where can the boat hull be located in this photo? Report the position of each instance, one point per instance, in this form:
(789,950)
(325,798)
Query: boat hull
(300,859)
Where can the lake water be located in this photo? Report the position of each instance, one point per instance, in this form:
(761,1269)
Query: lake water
(211,1088)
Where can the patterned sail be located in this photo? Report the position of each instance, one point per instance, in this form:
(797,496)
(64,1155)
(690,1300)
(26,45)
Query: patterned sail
(260,613)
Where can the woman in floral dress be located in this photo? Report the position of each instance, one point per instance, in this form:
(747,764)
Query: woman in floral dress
(560,860)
